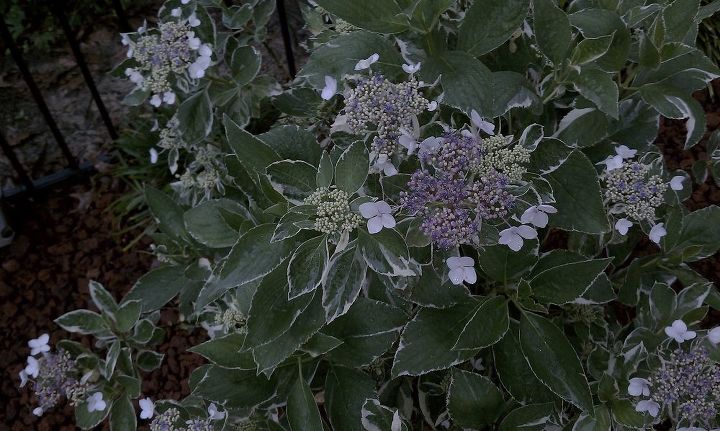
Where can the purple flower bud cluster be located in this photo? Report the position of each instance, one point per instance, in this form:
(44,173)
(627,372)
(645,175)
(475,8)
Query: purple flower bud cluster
(57,378)
(449,199)
(689,383)
(385,105)
(635,190)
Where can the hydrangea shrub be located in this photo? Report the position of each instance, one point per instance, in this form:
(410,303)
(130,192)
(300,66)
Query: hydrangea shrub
(457,220)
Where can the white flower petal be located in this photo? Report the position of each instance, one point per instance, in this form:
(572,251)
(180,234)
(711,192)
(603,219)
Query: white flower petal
(454,262)
(467,261)
(529,215)
(549,209)
(330,88)
(153,156)
(623,225)
(657,233)
(469,275)
(388,221)
(369,210)
(526,232)
(375,225)
(383,207)
(624,152)
(676,182)
(431,106)
(540,220)
(714,335)
(156,101)
(457,275)
(37,411)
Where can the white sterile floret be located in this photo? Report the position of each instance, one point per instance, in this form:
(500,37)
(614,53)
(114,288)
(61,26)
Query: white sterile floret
(679,331)
(96,403)
(156,100)
(657,232)
(197,69)
(214,413)
(648,406)
(513,236)
(676,182)
(714,335)
(169,97)
(639,386)
(537,215)
(378,215)
(432,105)
(366,63)
(411,68)
(205,50)
(39,344)
(330,88)
(193,20)
(134,76)
(623,226)
(612,163)
(193,42)
(147,408)
(625,152)
(462,269)
(176,12)
(481,124)
(32,368)
(23,377)
(385,166)
(38,411)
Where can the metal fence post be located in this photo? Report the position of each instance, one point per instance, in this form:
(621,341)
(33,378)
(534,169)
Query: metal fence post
(285,30)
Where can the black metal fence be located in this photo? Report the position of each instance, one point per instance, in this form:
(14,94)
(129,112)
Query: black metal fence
(73,167)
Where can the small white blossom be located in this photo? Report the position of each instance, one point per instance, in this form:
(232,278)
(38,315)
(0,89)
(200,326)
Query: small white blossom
(432,105)
(676,182)
(366,63)
(214,413)
(513,236)
(147,408)
(657,233)
(193,42)
(38,411)
(23,377)
(32,368)
(623,225)
(95,402)
(205,50)
(197,69)
(481,124)
(193,20)
(714,335)
(625,152)
(134,76)
(679,331)
(169,97)
(538,215)
(156,101)
(411,68)
(612,162)
(639,386)
(649,406)
(385,166)
(462,269)
(378,215)
(39,344)
(176,12)
(330,88)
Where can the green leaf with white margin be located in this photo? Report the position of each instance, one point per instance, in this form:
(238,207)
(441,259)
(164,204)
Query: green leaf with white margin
(226,351)
(381,16)
(167,213)
(582,127)
(566,279)
(464,79)
(679,17)
(103,299)
(122,415)
(82,322)
(578,196)
(302,411)
(245,64)
(234,388)
(488,24)
(427,340)
(352,167)
(377,417)
(128,315)
(206,224)
(385,252)
(158,287)
(295,179)
(486,327)
(339,56)
(307,266)
(532,417)
(473,400)
(502,264)
(508,90)
(596,22)
(342,283)
(674,103)
(600,421)
(553,360)
(590,49)
(699,237)
(325,172)
(598,87)
(552,30)
(195,117)
(293,143)
(426,14)
(346,390)
(254,154)
(252,257)
(88,420)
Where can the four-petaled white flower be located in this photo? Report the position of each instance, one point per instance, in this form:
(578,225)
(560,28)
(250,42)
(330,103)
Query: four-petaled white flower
(38,411)
(169,97)
(481,124)
(214,413)
(39,344)
(513,236)
(625,152)
(657,233)
(462,269)
(176,12)
(379,215)
(366,63)
(330,88)
(153,156)
(411,68)
(156,101)
(639,386)
(679,331)
(676,182)
(538,215)
(147,408)
(714,335)
(96,403)
(32,368)
(385,166)
(649,406)
(623,225)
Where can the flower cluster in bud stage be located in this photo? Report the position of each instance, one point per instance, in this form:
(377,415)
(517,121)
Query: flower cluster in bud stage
(387,106)
(449,198)
(333,211)
(57,377)
(635,191)
(499,157)
(170,419)
(171,50)
(203,175)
